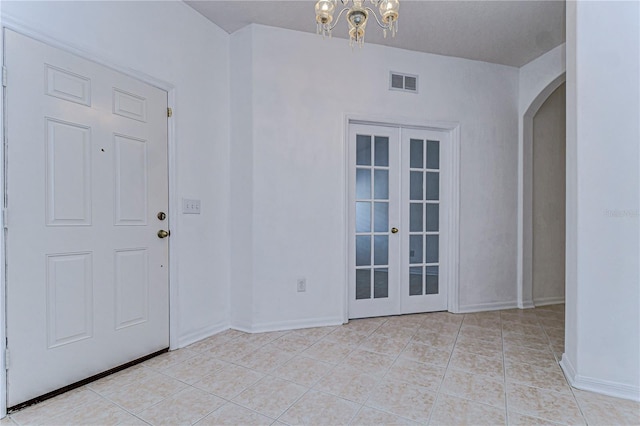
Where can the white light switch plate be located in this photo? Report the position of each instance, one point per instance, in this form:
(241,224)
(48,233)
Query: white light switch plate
(190,206)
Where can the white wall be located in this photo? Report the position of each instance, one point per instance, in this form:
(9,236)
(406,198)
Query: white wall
(172,43)
(302,86)
(603,197)
(549,181)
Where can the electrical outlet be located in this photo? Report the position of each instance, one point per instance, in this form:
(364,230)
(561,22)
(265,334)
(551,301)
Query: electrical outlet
(190,206)
(302,285)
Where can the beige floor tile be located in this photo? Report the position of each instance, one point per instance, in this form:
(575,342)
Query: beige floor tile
(424,353)
(229,381)
(539,358)
(555,333)
(403,399)
(346,336)
(137,396)
(481,333)
(523,342)
(348,383)
(233,415)
(606,410)
(194,369)
(43,411)
(232,350)
(477,364)
(445,317)
(260,339)
(433,326)
(369,362)
(183,408)
(169,359)
(265,359)
(314,333)
(368,416)
(271,396)
(433,338)
(544,378)
(364,326)
(113,382)
(394,331)
(428,376)
(450,410)
(317,408)
(7,421)
(480,347)
(303,370)
(520,319)
(384,344)
(482,321)
(329,351)
(517,419)
(293,343)
(544,404)
(481,389)
(102,413)
(205,345)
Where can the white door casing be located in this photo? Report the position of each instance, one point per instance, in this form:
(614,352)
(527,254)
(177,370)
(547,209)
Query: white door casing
(87,276)
(418,258)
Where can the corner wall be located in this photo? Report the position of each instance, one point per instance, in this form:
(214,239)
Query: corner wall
(602,351)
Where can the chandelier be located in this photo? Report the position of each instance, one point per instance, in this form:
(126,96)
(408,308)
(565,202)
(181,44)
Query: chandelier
(357,16)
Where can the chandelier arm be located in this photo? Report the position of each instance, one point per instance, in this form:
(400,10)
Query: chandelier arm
(380,24)
(338,18)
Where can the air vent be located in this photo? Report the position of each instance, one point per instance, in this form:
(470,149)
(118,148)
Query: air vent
(404,82)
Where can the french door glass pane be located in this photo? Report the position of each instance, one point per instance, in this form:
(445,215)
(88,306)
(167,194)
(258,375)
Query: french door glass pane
(380,217)
(381,151)
(433,155)
(363,284)
(415,186)
(363,184)
(432,279)
(381,250)
(415,249)
(433,185)
(415,217)
(363,146)
(415,281)
(416,154)
(381,184)
(363,250)
(363,216)
(432,249)
(380,283)
(433,211)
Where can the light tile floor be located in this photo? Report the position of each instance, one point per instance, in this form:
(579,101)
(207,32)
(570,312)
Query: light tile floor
(486,368)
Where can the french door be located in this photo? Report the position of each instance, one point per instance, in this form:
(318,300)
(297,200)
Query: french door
(397,211)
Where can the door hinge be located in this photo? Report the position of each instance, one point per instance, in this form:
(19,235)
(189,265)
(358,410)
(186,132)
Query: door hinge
(4,76)
(169,112)
(7,359)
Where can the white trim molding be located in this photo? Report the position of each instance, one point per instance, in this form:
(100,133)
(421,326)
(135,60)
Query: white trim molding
(590,384)
(490,306)
(289,325)
(201,333)
(544,301)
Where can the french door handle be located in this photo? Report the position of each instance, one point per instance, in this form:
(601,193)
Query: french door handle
(163,234)
(394,230)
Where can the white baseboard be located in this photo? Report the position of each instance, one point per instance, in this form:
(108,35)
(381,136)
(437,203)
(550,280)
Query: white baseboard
(605,387)
(201,333)
(544,301)
(288,325)
(491,306)
(526,304)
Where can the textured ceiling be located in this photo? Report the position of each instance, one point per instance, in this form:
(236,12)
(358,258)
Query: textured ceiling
(503,32)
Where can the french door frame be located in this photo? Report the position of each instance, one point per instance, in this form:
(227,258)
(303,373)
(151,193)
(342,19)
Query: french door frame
(449,169)
(8,23)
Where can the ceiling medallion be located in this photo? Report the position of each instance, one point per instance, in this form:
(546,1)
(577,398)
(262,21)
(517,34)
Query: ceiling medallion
(357,16)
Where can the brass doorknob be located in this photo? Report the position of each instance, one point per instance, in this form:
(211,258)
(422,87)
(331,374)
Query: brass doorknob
(394,230)
(163,234)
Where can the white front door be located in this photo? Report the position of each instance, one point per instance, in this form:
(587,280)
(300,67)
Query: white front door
(396,214)
(87,274)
